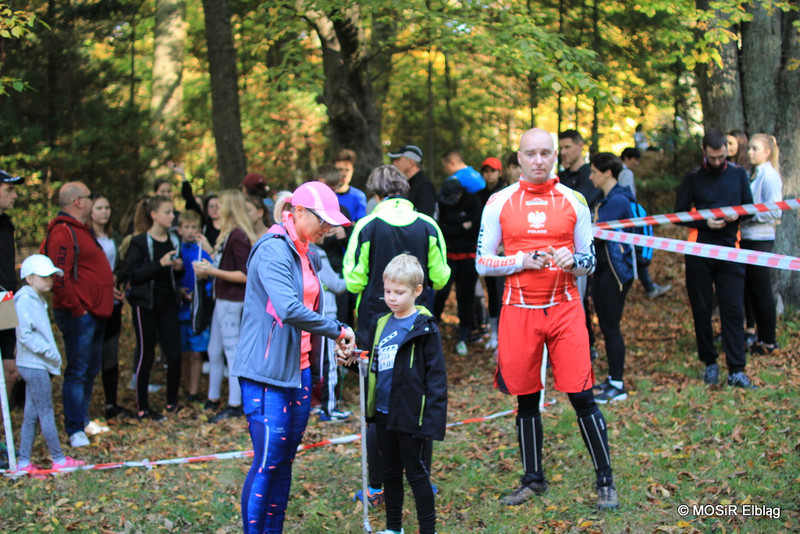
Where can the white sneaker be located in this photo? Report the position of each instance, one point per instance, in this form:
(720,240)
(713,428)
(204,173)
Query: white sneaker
(461,348)
(390,532)
(94,428)
(492,343)
(151,388)
(79,439)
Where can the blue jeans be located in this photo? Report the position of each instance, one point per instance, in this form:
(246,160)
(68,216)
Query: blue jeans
(83,347)
(277,418)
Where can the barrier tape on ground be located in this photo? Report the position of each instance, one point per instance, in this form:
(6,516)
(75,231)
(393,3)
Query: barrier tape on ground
(703,250)
(689,216)
(224,455)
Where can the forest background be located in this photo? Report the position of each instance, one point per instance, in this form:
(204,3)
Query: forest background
(108,91)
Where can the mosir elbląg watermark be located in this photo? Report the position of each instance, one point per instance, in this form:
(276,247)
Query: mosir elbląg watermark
(729,510)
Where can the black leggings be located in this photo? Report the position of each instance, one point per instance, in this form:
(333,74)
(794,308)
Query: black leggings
(404,453)
(464,276)
(609,303)
(146,323)
(759,303)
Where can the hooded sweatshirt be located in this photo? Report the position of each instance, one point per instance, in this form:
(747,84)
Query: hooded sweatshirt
(36,346)
(87,284)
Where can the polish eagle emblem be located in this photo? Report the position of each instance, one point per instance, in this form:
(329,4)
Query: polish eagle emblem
(536,219)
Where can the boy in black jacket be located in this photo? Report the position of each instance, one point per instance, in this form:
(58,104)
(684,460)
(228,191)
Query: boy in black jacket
(407,350)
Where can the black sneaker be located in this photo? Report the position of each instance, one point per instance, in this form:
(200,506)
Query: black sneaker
(524,493)
(761,348)
(115,410)
(147,415)
(193,399)
(611,393)
(740,380)
(711,374)
(228,413)
(211,405)
(607,497)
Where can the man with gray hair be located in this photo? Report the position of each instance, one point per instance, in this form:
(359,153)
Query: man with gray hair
(82,301)
(421,191)
(392,228)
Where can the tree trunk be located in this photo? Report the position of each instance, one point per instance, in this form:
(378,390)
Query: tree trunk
(450,93)
(720,86)
(761,59)
(353,115)
(166,94)
(787,131)
(231,160)
(430,148)
(769,79)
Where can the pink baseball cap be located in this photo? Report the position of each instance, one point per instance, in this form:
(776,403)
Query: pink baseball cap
(322,200)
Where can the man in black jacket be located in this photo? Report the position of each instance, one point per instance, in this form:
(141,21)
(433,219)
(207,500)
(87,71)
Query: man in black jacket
(716,183)
(421,191)
(8,279)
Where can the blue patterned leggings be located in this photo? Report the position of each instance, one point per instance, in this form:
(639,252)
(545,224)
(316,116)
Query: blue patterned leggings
(276,418)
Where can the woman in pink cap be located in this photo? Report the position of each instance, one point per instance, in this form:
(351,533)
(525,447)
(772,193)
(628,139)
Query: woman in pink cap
(279,350)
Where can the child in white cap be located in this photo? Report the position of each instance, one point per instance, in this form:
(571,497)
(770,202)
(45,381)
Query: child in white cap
(37,359)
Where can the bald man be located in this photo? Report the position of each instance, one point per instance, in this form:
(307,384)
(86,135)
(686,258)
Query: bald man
(545,229)
(82,301)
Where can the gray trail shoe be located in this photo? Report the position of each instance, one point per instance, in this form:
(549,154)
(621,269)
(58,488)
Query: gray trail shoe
(711,374)
(524,493)
(740,380)
(607,497)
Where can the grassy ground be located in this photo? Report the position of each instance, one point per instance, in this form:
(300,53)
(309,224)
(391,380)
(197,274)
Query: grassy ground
(674,442)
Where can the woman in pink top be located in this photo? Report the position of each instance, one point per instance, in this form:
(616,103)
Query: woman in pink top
(280,347)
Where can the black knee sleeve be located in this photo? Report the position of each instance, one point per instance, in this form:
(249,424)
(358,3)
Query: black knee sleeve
(583,403)
(528,405)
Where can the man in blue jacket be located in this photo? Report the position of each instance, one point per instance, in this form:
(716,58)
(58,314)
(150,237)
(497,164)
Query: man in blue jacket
(454,167)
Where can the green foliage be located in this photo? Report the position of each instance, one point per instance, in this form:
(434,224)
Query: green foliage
(85,69)
(15,24)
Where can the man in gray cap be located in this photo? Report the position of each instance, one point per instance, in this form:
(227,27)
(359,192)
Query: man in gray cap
(421,191)
(8,280)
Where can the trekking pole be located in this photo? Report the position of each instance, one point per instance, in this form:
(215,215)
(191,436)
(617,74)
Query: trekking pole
(363,369)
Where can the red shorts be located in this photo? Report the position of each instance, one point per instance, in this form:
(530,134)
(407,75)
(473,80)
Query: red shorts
(521,337)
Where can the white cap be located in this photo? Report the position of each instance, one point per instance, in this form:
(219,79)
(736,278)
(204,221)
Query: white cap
(39,264)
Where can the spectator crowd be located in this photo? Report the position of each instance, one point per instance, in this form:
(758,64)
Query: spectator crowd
(260,290)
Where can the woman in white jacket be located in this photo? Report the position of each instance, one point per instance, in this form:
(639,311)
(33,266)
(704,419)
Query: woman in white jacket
(37,359)
(758,233)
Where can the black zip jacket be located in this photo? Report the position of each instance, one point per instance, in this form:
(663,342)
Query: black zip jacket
(142,269)
(418,401)
(704,188)
(452,219)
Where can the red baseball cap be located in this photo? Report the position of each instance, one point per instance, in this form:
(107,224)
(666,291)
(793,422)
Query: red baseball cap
(254,181)
(494,163)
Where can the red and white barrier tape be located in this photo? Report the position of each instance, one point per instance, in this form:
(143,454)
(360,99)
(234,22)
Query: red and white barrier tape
(703,250)
(224,455)
(689,216)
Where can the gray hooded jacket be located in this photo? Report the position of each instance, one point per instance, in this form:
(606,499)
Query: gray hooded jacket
(274,315)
